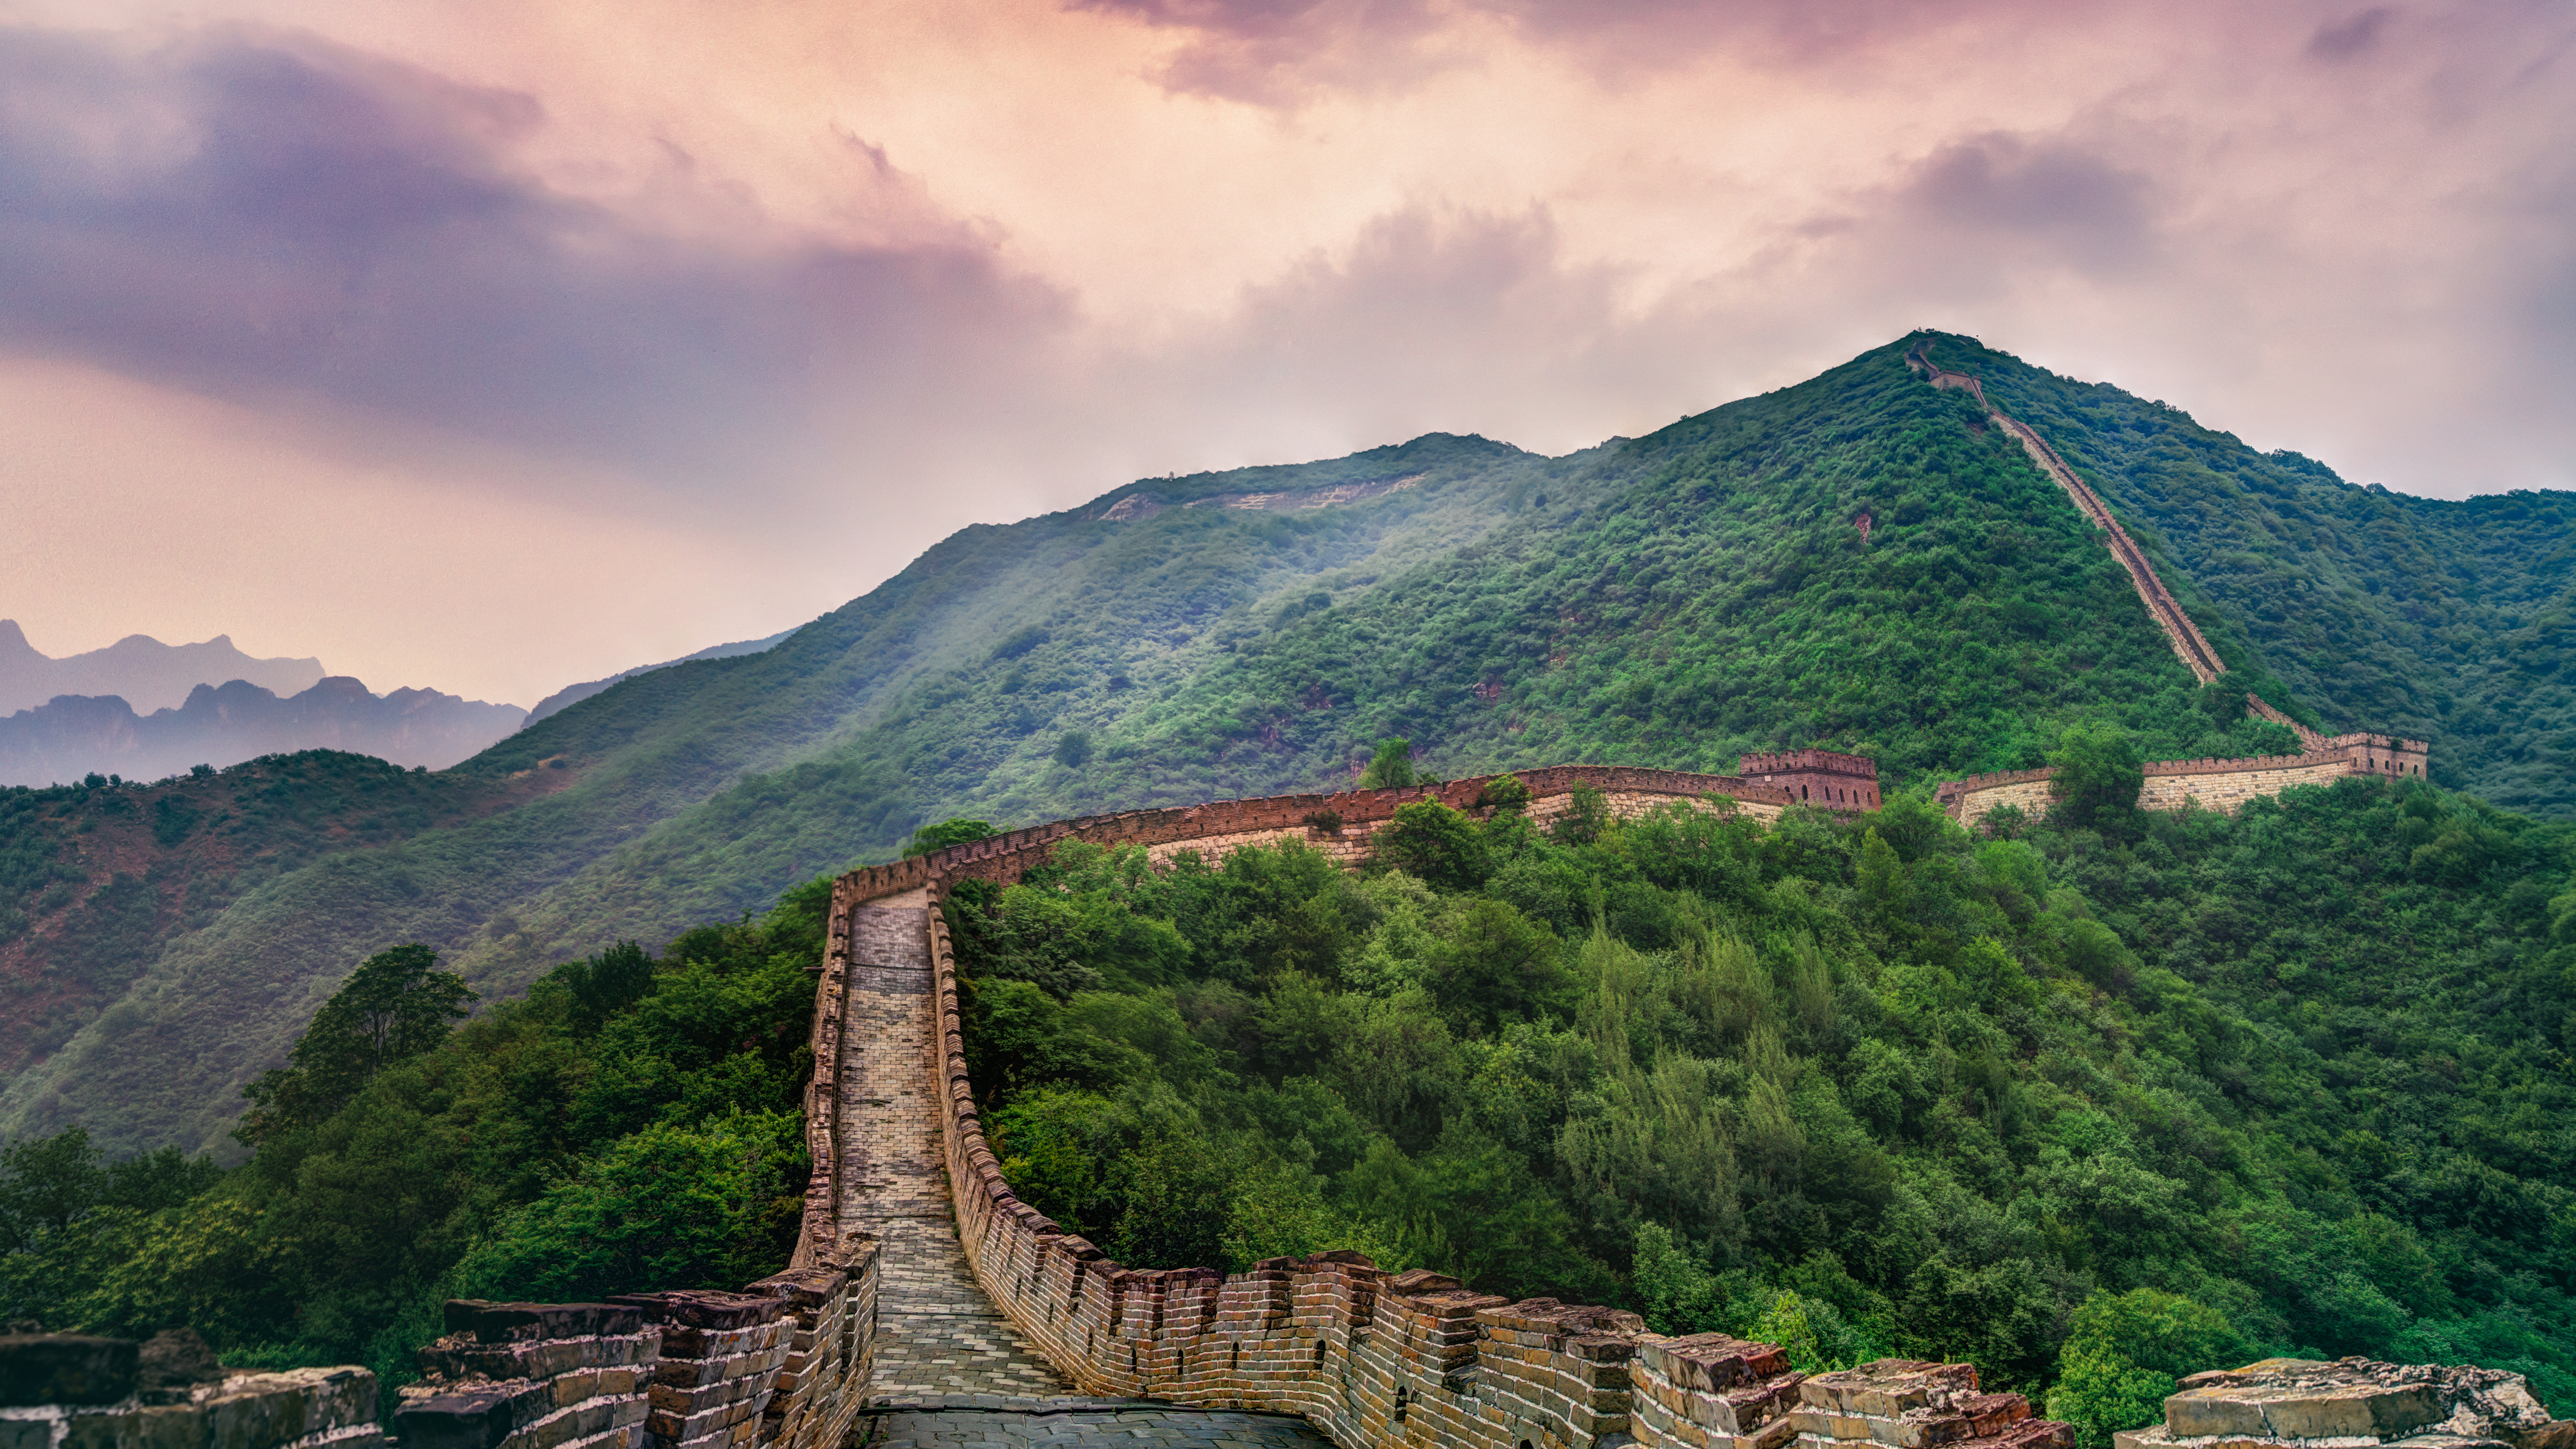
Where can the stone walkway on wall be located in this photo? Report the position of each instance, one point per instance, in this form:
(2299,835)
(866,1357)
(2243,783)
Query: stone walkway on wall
(1111,1424)
(939,1339)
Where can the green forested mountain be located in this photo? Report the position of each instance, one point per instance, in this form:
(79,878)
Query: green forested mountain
(1672,599)
(2446,621)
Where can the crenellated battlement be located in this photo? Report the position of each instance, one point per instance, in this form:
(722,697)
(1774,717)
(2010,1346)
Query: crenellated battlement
(1817,777)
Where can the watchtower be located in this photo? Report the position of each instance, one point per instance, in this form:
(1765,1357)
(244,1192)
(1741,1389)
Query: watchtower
(1817,777)
(2382,754)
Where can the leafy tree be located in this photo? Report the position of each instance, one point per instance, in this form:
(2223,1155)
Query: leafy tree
(1503,794)
(1497,965)
(1391,768)
(50,1183)
(601,986)
(2098,775)
(930,839)
(2121,1361)
(1440,845)
(392,1008)
(713,1204)
(1587,817)
(1073,749)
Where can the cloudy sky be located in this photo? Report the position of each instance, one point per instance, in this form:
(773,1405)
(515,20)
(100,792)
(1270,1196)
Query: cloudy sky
(495,344)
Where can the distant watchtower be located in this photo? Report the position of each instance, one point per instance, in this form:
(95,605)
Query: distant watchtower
(1817,777)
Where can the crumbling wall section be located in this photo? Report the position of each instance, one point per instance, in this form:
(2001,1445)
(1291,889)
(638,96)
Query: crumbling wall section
(2353,1403)
(69,1391)
(784,1362)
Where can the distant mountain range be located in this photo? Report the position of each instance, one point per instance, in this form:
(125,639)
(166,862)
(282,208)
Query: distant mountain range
(141,670)
(73,736)
(142,710)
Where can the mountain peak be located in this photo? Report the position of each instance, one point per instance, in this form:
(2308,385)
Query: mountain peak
(139,669)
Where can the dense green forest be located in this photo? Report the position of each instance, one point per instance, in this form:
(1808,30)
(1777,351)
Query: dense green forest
(1666,600)
(2092,1104)
(630,1124)
(96,877)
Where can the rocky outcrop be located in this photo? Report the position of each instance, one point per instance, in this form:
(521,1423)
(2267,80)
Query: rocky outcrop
(2353,1403)
(66,1391)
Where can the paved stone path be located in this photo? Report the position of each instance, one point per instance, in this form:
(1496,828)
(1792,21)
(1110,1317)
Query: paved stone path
(938,1336)
(950,1369)
(1104,1427)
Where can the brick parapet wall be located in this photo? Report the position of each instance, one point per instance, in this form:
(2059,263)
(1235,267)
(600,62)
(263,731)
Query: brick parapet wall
(819,1233)
(1008,856)
(2216,784)
(1784,762)
(1369,1358)
(785,1362)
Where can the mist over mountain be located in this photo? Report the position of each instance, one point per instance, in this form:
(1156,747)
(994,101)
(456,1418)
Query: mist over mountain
(139,669)
(73,736)
(1669,600)
(572,694)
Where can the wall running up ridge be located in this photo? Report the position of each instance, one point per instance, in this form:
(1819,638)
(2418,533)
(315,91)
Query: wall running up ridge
(2188,645)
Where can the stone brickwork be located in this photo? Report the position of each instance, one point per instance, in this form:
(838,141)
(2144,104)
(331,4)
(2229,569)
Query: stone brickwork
(784,1362)
(1910,1404)
(1711,1391)
(1817,777)
(937,1337)
(2353,1403)
(1631,804)
(1101,1422)
(2215,787)
(1350,844)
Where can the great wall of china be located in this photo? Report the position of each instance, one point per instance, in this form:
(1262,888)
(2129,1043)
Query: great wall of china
(925,1302)
(2213,784)
(2188,645)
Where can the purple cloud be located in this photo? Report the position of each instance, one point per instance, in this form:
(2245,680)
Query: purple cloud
(2049,195)
(247,213)
(2352,35)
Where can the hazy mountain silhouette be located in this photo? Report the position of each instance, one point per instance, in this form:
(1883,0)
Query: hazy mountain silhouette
(72,736)
(139,669)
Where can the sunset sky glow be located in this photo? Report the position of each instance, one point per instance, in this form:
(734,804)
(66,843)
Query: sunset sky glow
(491,346)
